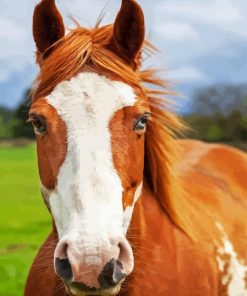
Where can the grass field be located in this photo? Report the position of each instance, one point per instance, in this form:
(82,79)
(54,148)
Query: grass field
(24,220)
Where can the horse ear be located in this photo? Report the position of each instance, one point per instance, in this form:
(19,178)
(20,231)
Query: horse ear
(128,31)
(48,26)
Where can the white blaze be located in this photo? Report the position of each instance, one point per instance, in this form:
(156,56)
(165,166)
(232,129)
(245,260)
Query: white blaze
(129,210)
(87,201)
(236,269)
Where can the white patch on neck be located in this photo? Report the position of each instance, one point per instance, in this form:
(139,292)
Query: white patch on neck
(87,201)
(129,210)
(236,270)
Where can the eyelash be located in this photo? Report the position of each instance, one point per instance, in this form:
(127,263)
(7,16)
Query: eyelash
(141,124)
(38,123)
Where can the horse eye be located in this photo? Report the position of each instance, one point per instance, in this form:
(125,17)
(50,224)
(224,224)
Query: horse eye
(38,123)
(141,124)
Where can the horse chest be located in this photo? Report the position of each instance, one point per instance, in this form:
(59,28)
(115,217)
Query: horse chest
(166,261)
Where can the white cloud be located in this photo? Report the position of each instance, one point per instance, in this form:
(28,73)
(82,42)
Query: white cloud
(11,30)
(186,74)
(4,75)
(186,30)
(88,15)
(177,32)
(216,12)
(227,15)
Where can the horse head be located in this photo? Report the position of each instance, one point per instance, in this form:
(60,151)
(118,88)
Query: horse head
(90,114)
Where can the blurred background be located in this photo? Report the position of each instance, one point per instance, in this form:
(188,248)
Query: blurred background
(203,46)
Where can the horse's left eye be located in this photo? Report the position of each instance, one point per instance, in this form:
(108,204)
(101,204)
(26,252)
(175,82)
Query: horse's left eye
(38,123)
(141,124)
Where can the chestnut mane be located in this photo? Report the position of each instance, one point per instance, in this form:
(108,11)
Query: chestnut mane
(83,47)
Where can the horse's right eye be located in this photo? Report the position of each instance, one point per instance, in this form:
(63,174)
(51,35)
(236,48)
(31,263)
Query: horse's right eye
(141,123)
(38,123)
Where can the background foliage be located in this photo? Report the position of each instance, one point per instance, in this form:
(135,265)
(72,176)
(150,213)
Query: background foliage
(13,121)
(24,220)
(219,114)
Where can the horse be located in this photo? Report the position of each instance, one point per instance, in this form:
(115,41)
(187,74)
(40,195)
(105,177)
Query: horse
(136,209)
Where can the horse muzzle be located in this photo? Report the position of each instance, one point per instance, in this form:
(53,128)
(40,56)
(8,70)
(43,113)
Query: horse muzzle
(110,280)
(77,289)
(86,273)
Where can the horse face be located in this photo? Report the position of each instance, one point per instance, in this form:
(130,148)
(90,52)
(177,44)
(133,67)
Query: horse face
(90,140)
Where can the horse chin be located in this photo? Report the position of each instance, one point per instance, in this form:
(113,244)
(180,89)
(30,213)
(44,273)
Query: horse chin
(73,291)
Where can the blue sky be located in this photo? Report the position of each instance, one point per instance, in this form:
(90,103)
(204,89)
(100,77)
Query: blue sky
(202,42)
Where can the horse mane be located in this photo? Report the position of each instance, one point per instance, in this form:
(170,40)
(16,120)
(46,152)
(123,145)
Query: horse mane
(83,47)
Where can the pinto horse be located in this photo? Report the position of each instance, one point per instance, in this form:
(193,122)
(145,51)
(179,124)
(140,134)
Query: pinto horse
(136,212)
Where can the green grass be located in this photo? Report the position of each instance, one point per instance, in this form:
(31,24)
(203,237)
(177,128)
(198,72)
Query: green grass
(24,220)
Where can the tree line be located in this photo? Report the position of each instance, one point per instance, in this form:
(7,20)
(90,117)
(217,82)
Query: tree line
(217,114)
(13,122)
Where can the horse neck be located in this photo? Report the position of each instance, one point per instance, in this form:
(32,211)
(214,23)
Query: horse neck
(150,224)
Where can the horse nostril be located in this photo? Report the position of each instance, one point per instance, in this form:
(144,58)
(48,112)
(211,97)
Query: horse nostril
(63,269)
(111,274)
